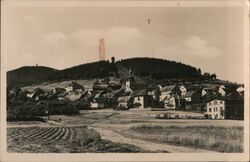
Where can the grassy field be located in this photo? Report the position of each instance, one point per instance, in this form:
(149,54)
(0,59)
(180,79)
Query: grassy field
(61,140)
(221,139)
(71,136)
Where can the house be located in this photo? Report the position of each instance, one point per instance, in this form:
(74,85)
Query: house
(124,101)
(58,90)
(128,86)
(36,94)
(72,96)
(183,90)
(234,104)
(142,99)
(165,91)
(215,109)
(169,102)
(221,90)
(188,96)
(240,89)
(74,86)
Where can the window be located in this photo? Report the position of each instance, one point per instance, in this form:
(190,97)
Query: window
(215,102)
(214,108)
(221,108)
(221,102)
(210,109)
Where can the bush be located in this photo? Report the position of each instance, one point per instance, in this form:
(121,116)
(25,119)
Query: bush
(31,111)
(137,104)
(63,108)
(27,110)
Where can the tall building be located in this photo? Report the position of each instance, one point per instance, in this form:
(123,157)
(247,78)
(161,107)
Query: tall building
(101,49)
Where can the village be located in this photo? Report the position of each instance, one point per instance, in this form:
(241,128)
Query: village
(213,100)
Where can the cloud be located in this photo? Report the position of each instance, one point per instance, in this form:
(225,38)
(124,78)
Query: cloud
(113,36)
(55,37)
(200,47)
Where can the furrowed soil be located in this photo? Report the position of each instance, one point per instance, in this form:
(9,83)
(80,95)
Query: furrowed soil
(108,130)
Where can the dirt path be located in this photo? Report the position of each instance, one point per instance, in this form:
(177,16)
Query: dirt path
(115,137)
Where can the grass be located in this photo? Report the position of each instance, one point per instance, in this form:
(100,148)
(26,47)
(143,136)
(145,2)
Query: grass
(221,139)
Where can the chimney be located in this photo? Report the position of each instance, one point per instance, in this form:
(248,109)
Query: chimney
(101,49)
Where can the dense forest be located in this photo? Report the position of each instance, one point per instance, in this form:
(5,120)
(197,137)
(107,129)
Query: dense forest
(28,75)
(142,67)
(160,69)
(86,71)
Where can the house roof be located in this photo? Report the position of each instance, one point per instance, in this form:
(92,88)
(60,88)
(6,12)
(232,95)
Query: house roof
(168,88)
(212,96)
(124,98)
(73,96)
(189,93)
(235,96)
(142,92)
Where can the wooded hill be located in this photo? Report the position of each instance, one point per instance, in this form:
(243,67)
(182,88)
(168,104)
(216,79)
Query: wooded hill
(28,75)
(142,67)
(160,69)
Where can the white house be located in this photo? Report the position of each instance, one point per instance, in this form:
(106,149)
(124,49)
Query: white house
(123,101)
(93,105)
(222,90)
(69,89)
(203,92)
(140,101)
(165,91)
(128,87)
(215,109)
(183,90)
(240,89)
(188,96)
(169,102)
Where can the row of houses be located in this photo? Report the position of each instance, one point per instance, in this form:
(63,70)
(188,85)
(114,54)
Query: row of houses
(218,101)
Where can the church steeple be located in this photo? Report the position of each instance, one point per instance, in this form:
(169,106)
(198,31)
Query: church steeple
(130,73)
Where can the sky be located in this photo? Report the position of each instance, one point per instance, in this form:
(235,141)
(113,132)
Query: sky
(210,38)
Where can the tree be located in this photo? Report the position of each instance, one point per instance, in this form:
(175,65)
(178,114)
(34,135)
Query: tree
(206,75)
(213,76)
(199,71)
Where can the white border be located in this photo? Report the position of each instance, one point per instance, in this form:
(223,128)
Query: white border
(126,156)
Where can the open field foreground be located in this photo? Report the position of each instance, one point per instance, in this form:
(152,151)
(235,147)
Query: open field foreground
(125,131)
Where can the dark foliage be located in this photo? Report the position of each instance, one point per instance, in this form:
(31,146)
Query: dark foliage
(86,71)
(28,75)
(159,68)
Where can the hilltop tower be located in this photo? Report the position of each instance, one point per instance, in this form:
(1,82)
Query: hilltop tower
(113,60)
(101,49)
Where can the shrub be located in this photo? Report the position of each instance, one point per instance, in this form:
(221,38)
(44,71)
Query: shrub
(28,111)
(137,104)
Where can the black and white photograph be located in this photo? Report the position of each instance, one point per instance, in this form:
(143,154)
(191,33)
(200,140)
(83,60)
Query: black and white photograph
(134,78)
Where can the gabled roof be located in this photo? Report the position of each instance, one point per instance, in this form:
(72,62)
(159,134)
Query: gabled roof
(212,96)
(189,93)
(235,96)
(168,88)
(124,98)
(73,96)
(142,92)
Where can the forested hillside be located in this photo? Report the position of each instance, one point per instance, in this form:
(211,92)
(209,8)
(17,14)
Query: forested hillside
(141,67)
(85,71)
(28,75)
(159,68)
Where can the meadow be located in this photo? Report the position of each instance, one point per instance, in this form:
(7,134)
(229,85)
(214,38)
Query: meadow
(103,130)
(216,138)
